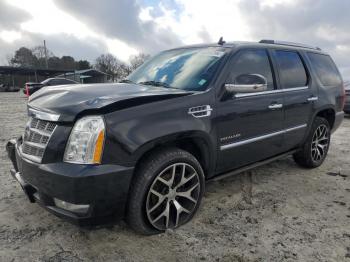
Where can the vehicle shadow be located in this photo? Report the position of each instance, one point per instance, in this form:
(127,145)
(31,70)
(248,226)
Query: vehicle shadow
(238,189)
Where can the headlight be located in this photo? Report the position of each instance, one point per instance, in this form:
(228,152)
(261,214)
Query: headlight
(85,144)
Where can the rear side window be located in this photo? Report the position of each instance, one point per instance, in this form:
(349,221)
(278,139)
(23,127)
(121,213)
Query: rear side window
(60,82)
(252,62)
(325,69)
(66,82)
(53,82)
(291,68)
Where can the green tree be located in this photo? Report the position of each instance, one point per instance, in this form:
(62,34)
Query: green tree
(54,62)
(82,64)
(24,58)
(67,62)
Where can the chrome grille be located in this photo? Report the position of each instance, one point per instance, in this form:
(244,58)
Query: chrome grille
(36,137)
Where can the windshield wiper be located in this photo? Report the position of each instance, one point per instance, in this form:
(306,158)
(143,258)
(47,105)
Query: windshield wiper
(155,83)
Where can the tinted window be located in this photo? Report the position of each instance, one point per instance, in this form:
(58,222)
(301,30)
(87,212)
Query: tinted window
(325,69)
(54,82)
(291,68)
(59,82)
(252,62)
(66,82)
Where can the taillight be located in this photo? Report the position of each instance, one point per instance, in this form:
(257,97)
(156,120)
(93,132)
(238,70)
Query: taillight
(343,97)
(27,90)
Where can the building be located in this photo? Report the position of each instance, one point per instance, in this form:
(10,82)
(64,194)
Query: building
(18,76)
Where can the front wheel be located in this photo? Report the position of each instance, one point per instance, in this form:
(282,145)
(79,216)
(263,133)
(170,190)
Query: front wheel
(166,191)
(316,146)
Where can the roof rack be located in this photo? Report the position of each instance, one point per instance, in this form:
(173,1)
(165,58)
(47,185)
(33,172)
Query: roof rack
(266,41)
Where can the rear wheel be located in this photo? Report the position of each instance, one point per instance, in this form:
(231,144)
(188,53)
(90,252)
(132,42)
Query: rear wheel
(166,191)
(315,149)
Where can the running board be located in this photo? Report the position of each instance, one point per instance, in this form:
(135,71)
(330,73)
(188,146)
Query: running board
(251,166)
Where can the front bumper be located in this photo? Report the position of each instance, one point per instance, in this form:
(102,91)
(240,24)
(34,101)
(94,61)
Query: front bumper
(103,187)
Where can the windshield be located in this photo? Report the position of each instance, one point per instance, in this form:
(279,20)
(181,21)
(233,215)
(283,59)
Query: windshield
(188,68)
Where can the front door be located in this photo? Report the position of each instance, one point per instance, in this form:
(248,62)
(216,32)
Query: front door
(249,125)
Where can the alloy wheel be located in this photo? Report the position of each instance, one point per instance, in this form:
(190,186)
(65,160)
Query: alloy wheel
(173,196)
(320,143)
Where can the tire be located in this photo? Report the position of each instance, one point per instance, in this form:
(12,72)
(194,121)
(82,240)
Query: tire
(315,148)
(166,191)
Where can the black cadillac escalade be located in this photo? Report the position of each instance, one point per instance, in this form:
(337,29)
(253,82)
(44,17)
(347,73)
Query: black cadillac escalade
(142,149)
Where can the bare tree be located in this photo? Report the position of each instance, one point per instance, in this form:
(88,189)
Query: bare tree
(39,52)
(9,59)
(137,60)
(107,63)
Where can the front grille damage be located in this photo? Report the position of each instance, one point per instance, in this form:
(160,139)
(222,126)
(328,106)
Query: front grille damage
(36,137)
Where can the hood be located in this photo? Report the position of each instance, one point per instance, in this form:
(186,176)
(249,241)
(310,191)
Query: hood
(70,100)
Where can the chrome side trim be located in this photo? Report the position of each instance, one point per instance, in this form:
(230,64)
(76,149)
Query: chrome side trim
(43,115)
(294,128)
(275,106)
(259,138)
(313,98)
(272,91)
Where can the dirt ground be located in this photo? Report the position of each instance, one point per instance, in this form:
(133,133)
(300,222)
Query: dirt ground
(279,213)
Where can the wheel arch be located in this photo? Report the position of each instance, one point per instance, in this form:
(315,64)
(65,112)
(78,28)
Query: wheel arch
(328,113)
(197,143)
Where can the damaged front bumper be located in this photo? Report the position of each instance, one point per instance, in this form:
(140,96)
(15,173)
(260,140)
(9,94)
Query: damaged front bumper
(83,194)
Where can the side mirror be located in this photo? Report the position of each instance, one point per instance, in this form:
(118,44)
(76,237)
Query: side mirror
(247,83)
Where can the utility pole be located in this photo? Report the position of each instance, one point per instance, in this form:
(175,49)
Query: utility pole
(47,65)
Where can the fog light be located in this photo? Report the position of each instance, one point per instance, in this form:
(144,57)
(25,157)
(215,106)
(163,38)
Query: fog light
(80,209)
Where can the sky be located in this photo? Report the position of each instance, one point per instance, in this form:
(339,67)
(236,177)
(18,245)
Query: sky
(85,29)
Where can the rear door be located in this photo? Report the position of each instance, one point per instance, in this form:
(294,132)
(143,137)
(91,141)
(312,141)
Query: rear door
(299,95)
(249,124)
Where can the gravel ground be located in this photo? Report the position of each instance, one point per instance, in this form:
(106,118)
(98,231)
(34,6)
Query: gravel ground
(279,212)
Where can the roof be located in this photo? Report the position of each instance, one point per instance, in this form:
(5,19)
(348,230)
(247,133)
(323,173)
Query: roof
(30,71)
(262,43)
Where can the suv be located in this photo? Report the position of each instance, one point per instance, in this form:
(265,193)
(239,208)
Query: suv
(142,149)
(30,87)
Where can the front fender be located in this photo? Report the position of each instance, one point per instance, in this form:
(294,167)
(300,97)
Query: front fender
(133,131)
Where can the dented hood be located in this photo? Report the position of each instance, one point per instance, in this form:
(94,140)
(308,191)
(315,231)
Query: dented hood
(71,100)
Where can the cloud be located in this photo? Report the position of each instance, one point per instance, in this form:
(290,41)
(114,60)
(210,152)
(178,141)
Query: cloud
(65,30)
(320,23)
(11,17)
(59,44)
(120,20)
(124,27)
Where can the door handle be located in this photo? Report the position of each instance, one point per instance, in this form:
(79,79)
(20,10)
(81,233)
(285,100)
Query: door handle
(275,106)
(313,98)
